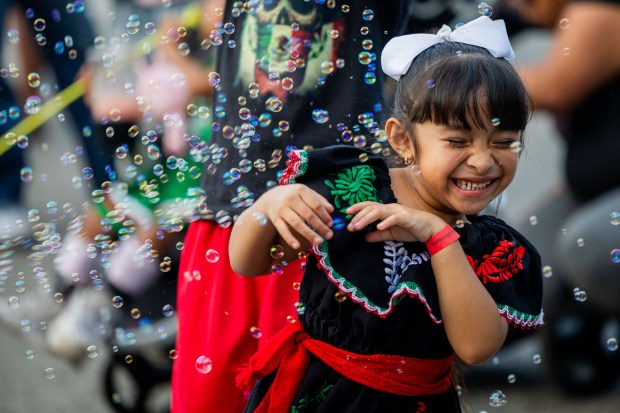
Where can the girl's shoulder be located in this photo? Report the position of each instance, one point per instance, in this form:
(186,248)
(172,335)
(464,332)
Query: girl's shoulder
(342,174)
(329,160)
(487,229)
(484,235)
(508,265)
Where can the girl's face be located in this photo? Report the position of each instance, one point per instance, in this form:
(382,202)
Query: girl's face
(458,171)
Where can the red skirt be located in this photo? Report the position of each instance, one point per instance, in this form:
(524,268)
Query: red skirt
(223,319)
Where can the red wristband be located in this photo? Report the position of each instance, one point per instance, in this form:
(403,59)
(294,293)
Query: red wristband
(441,239)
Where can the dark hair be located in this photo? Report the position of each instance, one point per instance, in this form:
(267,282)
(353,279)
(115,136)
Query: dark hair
(454,83)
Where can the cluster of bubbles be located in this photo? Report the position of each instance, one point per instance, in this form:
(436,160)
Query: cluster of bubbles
(244,134)
(367,57)
(40,24)
(46,241)
(240,137)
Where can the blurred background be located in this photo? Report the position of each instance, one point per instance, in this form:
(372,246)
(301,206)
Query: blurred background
(126,342)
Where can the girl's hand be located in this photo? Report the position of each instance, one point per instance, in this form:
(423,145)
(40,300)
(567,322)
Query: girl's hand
(397,222)
(297,208)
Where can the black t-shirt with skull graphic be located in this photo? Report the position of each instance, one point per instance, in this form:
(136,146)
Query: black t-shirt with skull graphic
(291,74)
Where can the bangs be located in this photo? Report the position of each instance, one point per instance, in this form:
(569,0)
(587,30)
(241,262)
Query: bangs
(465,89)
(469,90)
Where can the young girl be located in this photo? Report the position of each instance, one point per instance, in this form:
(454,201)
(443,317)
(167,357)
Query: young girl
(389,297)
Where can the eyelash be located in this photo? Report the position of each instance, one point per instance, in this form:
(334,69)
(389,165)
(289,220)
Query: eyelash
(457,143)
(505,143)
(460,144)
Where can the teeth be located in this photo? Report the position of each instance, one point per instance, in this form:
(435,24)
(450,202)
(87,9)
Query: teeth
(472,186)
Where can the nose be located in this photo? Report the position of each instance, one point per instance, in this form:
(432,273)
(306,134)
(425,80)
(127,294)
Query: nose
(481,160)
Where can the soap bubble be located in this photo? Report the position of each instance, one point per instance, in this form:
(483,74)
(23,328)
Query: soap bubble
(497,399)
(204,365)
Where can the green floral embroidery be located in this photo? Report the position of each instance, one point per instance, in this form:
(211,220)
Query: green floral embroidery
(311,400)
(353,185)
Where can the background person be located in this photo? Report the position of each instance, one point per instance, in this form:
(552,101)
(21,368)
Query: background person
(579,82)
(289,74)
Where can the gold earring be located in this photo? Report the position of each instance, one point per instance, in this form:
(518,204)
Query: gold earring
(408,160)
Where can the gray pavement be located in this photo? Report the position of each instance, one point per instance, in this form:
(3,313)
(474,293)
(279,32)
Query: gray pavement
(32,379)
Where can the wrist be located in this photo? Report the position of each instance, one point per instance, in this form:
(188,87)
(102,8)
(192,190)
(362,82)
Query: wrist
(441,239)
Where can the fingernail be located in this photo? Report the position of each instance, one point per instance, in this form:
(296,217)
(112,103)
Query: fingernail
(329,234)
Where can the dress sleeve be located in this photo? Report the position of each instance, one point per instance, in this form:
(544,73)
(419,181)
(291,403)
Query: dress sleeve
(510,269)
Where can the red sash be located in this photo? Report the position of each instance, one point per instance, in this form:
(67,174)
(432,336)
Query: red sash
(288,352)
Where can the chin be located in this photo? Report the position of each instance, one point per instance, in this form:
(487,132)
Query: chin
(472,210)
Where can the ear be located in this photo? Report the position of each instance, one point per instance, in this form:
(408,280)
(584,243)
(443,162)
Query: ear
(399,138)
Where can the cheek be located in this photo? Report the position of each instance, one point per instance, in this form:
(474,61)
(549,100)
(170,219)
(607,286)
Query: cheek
(443,160)
(509,166)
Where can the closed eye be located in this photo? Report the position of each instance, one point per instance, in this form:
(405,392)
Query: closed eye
(457,143)
(507,143)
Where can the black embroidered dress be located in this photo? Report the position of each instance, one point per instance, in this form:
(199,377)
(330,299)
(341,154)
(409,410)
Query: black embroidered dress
(381,298)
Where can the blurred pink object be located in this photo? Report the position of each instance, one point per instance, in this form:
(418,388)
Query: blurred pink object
(164,87)
(132,270)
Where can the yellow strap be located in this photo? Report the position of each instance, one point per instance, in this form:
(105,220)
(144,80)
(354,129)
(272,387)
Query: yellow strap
(49,109)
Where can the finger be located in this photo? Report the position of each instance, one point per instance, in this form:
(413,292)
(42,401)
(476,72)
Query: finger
(328,207)
(354,209)
(298,223)
(366,217)
(319,205)
(311,218)
(390,221)
(284,231)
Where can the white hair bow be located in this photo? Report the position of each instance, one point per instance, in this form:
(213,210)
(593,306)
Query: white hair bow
(400,51)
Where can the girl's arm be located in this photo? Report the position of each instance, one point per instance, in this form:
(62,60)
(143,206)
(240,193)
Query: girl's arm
(284,216)
(470,316)
(582,56)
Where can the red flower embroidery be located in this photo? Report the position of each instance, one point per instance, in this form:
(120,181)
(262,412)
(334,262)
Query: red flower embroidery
(505,261)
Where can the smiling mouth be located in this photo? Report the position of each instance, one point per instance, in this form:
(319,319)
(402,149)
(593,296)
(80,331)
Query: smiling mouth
(472,186)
